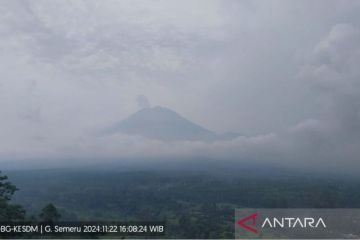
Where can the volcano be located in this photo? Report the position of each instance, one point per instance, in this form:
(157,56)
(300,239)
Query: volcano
(163,124)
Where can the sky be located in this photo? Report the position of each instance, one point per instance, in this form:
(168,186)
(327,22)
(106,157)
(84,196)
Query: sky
(283,74)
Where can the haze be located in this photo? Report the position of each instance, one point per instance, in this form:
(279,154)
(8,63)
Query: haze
(283,75)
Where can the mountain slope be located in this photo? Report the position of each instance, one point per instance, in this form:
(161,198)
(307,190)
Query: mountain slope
(162,123)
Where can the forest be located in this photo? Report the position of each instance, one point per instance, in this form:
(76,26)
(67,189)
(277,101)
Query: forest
(193,204)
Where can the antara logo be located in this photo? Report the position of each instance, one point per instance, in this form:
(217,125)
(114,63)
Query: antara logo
(292,222)
(251,218)
(249,222)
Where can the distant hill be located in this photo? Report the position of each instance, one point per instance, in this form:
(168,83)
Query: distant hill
(163,124)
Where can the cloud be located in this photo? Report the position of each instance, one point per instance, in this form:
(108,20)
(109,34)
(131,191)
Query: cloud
(285,74)
(335,61)
(142,102)
(336,74)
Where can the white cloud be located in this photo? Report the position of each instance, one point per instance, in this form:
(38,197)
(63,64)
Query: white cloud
(69,68)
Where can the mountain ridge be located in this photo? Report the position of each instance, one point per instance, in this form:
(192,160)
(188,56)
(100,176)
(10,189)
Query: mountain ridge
(163,124)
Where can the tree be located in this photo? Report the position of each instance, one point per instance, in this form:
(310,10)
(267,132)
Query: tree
(9,212)
(49,214)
